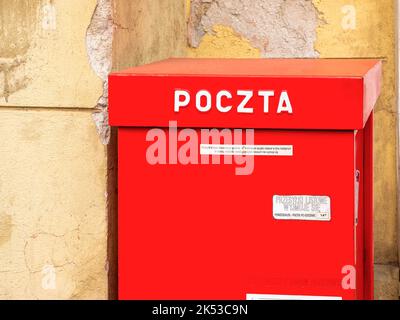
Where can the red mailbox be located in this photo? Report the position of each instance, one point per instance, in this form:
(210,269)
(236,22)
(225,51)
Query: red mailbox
(246,179)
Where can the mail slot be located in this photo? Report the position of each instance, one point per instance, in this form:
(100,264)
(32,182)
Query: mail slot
(245,179)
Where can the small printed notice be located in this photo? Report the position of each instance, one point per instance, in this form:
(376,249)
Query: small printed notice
(313,208)
(245,149)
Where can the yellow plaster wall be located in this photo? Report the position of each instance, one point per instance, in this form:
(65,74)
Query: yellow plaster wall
(57,211)
(224,43)
(53,222)
(53,166)
(144,31)
(147,31)
(43,58)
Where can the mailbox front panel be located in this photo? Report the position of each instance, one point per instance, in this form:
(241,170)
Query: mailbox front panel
(200,231)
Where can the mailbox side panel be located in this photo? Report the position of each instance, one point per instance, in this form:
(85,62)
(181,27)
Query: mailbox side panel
(199,231)
(360,222)
(364,209)
(368,164)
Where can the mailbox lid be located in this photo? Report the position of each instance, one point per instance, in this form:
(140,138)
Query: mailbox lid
(323,93)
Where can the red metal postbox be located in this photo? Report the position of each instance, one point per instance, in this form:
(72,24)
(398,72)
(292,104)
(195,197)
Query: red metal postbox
(246,178)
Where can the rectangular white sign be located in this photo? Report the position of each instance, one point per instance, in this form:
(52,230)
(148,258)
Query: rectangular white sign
(317,208)
(244,149)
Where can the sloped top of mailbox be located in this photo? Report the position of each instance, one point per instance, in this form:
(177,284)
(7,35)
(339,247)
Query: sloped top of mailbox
(247,93)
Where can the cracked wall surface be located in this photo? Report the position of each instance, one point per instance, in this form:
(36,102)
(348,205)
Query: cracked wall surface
(45,41)
(99,40)
(58,154)
(13,50)
(277,28)
(53,206)
(326,29)
(53,165)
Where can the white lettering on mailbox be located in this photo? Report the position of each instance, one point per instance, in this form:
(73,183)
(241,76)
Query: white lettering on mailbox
(204,101)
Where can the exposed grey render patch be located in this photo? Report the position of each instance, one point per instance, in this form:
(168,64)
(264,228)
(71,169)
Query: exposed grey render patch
(279,28)
(99,39)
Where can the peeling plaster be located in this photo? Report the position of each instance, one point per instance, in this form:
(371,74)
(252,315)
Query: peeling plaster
(99,39)
(43,57)
(12,75)
(278,28)
(53,241)
(17,18)
(224,43)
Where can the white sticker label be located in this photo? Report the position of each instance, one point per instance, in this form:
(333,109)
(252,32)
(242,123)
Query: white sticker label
(314,208)
(244,149)
(251,296)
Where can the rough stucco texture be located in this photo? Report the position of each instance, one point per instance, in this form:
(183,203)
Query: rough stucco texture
(214,44)
(277,28)
(43,58)
(386,282)
(99,40)
(147,31)
(52,206)
(55,55)
(53,215)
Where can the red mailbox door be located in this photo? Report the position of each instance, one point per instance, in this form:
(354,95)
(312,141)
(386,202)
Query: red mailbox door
(290,217)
